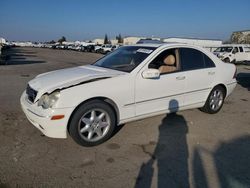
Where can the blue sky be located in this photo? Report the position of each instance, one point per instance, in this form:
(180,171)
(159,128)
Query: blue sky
(45,20)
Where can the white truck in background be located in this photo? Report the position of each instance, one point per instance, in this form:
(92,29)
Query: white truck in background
(233,53)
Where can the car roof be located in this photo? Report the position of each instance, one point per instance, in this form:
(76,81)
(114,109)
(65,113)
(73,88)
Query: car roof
(233,45)
(169,44)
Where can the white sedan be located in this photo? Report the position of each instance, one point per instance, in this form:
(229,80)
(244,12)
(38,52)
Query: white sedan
(131,83)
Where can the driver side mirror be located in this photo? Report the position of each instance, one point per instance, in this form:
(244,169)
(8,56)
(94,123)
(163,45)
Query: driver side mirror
(151,74)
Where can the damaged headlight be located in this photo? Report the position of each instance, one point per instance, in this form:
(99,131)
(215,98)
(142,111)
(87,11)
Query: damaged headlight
(48,100)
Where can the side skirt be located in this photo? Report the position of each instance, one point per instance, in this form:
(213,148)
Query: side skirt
(196,105)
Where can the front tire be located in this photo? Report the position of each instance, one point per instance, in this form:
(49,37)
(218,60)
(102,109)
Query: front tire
(92,124)
(215,100)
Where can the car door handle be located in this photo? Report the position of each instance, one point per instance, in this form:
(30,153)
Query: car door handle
(180,77)
(211,73)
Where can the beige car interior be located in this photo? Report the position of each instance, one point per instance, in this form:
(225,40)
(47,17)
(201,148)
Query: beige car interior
(170,63)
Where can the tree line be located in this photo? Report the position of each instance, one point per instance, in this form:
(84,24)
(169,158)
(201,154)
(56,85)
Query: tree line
(240,38)
(119,39)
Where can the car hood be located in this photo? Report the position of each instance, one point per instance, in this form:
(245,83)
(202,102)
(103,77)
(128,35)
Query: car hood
(60,79)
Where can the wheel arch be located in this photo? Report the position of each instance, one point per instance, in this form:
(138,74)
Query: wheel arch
(223,86)
(230,59)
(109,101)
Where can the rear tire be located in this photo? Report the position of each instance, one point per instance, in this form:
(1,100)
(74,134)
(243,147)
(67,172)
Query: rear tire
(92,124)
(215,100)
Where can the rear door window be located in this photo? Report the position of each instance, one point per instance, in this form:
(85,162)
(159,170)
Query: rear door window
(191,59)
(208,62)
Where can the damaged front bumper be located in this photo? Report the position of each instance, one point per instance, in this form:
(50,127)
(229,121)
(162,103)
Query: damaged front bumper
(41,118)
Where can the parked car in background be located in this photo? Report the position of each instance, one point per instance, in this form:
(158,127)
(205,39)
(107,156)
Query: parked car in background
(233,53)
(76,47)
(89,48)
(70,47)
(53,46)
(60,46)
(107,48)
(47,45)
(131,83)
(114,47)
(98,48)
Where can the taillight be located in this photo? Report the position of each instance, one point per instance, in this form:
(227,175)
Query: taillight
(235,73)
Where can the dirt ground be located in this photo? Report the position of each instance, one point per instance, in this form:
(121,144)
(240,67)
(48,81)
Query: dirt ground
(187,149)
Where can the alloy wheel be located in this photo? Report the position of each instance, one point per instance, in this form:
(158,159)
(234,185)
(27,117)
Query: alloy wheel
(94,125)
(216,100)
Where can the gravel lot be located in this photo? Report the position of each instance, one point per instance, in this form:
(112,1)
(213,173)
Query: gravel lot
(189,149)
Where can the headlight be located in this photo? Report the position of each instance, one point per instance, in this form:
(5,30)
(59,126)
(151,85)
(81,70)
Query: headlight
(47,101)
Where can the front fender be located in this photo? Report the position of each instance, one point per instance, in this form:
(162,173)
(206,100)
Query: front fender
(120,90)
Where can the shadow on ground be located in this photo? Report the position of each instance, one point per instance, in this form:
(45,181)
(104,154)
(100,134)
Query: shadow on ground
(232,163)
(170,154)
(244,80)
(16,56)
(231,159)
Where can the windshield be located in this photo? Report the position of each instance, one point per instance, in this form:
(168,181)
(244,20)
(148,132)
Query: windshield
(125,58)
(224,49)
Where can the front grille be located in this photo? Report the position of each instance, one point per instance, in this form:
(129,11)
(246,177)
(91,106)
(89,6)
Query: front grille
(31,93)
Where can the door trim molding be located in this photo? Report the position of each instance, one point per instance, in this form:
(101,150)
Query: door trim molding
(166,96)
